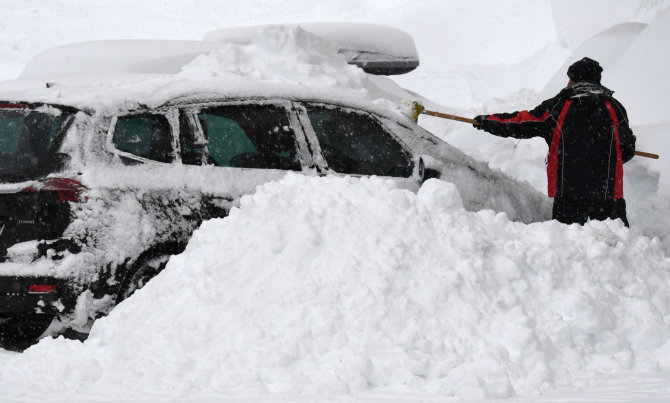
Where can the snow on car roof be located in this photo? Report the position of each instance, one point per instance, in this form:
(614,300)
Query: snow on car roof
(123,56)
(276,61)
(377,49)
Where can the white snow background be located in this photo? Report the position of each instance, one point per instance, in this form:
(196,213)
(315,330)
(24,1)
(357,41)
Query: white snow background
(338,289)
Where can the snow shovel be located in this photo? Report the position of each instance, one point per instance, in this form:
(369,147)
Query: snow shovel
(419,108)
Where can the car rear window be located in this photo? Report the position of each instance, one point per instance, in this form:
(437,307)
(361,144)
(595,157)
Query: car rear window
(26,138)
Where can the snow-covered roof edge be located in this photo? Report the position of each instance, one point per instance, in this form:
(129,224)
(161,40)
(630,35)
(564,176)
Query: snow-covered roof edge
(377,49)
(280,61)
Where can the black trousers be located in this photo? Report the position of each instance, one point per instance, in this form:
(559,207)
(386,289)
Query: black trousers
(580,210)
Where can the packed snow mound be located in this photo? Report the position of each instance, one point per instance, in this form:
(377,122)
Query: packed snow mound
(345,286)
(280,54)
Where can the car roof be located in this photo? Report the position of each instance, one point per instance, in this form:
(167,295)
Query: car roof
(111,76)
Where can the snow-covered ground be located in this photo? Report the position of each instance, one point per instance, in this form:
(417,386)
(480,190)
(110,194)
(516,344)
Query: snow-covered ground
(339,289)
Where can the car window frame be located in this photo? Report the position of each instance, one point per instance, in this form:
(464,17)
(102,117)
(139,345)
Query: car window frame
(305,158)
(315,146)
(171,116)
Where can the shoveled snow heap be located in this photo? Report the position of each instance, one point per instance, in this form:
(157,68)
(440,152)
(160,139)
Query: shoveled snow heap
(343,285)
(280,54)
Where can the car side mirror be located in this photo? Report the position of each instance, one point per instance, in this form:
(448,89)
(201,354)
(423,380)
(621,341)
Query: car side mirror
(423,169)
(419,169)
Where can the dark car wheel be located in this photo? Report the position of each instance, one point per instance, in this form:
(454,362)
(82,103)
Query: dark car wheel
(140,274)
(19,332)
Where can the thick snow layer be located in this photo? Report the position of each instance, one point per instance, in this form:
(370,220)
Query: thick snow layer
(281,61)
(351,37)
(284,55)
(115,57)
(413,296)
(169,57)
(470,52)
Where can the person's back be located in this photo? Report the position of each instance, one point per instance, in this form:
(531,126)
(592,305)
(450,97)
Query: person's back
(587,155)
(589,139)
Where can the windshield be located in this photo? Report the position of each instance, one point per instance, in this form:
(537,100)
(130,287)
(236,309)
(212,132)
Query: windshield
(26,139)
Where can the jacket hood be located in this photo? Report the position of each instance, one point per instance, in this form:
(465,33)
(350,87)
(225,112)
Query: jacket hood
(585,89)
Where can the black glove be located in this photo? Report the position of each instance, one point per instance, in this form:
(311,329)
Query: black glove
(480,122)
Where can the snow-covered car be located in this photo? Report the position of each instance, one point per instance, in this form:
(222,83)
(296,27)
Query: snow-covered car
(109,166)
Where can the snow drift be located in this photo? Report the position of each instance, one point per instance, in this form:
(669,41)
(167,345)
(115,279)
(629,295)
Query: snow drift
(414,295)
(573,301)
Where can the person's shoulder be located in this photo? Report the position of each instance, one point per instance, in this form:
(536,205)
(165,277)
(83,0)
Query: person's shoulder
(619,106)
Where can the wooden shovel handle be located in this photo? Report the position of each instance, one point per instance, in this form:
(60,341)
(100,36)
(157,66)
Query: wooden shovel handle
(648,155)
(452,117)
(474,122)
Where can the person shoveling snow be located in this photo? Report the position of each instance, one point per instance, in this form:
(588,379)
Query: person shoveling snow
(589,141)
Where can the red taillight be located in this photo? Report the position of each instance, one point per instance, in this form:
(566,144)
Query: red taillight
(69,190)
(22,106)
(41,288)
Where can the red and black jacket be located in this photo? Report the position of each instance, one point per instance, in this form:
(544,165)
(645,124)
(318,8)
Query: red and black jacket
(588,136)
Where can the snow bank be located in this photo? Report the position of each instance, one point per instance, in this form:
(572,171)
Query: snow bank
(606,47)
(640,76)
(355,286)
(575,20)
(634,57)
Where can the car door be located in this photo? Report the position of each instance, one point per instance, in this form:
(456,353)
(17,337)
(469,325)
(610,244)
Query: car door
(353,142)
(242,144)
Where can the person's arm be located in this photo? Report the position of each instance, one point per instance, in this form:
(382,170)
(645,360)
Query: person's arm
(520,125)
(626,136)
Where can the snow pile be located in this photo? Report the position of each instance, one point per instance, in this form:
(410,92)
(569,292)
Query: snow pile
(355,286)
(280,54)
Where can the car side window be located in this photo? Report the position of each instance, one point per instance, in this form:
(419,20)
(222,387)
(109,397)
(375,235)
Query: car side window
(250,136)
(356,143)
(146,136)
